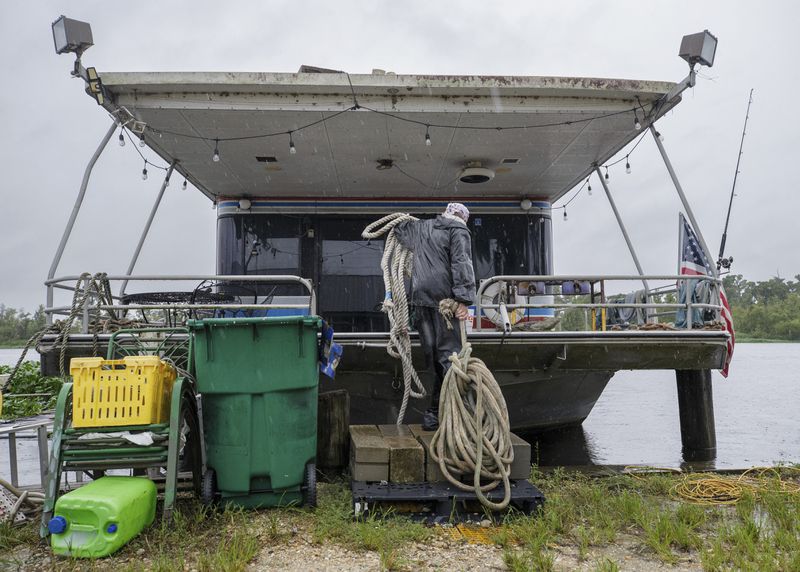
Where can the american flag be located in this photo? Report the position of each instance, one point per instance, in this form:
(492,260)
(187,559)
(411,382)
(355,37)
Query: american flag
(695,262)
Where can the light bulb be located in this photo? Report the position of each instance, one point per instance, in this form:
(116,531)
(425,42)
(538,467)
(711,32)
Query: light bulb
(627,167)
(144,174)
(292,150)
(607,175)
(589,189)
(565,214)
(636,124)
(166,183)
(427,138)
(660,136)
(121,140)
(141,141)
(183,186)
(215,156)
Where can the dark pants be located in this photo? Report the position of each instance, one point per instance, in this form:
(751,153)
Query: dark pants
(438,343)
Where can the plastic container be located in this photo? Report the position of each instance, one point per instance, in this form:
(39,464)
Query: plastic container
(259,379)
(135,390)
(97,519)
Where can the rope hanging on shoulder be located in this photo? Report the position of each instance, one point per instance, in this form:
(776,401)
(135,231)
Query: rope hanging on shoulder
(396,264)
(474,434)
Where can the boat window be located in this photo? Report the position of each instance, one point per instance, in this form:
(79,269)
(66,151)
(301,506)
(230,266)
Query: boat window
(255,244)
(350,286)
(510,244)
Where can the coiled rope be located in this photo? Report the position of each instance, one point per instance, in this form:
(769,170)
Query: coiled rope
(474,434)
(708,489)
(88,285)
(396,264)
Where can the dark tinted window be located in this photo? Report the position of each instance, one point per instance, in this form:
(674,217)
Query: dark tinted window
(345,268)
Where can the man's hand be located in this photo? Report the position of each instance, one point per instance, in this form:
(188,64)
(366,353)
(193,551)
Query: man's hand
(462,312)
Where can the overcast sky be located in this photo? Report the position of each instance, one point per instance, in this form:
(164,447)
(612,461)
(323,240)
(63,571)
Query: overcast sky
(51,128)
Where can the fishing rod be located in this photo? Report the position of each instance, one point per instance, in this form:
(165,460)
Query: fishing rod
(726,262)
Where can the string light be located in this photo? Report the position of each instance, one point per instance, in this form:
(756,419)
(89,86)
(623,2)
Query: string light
(627,165)
(166,182)
(184,185)
(215,156)
(636,124)
(121,139)
(660,136)
(589,187)
(565,214)
(141,141)
(607,175)
(427,136)
(144,171)
(292,150)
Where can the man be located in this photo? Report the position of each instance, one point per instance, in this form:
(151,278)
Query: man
(442,250)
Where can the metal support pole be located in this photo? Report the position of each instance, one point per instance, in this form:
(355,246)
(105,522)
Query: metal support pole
(687,208)
(622,228)
(75,209)
(146,229)
(12,458)
(41,435)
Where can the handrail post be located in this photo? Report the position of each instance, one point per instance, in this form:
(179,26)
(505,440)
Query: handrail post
(679,189)
(76,209)
(146,229)
(625,235)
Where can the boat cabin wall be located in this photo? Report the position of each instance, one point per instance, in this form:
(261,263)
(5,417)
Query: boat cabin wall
(345,269)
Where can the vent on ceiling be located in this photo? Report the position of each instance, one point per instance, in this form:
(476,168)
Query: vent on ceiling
(509,161)
(263,159)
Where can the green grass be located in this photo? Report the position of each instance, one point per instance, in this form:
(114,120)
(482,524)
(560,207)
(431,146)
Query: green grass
(585,516)
(760,533)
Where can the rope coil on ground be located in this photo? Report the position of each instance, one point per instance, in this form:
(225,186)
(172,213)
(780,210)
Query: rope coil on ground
(474,434)
(396,264)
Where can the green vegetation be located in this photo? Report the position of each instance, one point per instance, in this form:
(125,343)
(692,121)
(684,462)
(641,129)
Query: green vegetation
(765,310)
(27,381)
(17,326)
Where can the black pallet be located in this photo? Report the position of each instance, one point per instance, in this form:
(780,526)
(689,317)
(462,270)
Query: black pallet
(439,501)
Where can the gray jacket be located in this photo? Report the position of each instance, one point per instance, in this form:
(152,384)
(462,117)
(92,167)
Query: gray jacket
(442,260)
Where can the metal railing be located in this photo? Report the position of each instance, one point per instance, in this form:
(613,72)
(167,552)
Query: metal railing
(92,306)
(555,285)
(39,427)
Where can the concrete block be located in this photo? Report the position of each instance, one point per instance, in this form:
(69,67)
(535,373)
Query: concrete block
(367,444)
(432,472)
(406,460)
(370,472)
(396,430)
(521,465)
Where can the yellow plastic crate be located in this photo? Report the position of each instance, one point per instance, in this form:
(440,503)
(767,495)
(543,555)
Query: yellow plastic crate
(134,390)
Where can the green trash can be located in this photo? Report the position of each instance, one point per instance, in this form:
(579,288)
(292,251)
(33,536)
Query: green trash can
(258,378)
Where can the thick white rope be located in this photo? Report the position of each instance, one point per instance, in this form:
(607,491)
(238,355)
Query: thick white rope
(474,434)
(396,264)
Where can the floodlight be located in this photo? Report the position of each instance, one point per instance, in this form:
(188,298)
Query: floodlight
(699,48)
(71,36)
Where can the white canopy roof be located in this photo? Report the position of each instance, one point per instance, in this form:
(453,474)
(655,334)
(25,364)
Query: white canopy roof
(552,130)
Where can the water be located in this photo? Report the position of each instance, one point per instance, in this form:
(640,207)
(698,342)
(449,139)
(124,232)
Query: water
(636,419)
(9,356)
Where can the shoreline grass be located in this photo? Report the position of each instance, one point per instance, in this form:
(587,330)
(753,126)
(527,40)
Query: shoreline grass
(598,521)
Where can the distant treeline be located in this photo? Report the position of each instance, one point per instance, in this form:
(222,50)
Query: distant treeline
(765,310)
(16,326)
